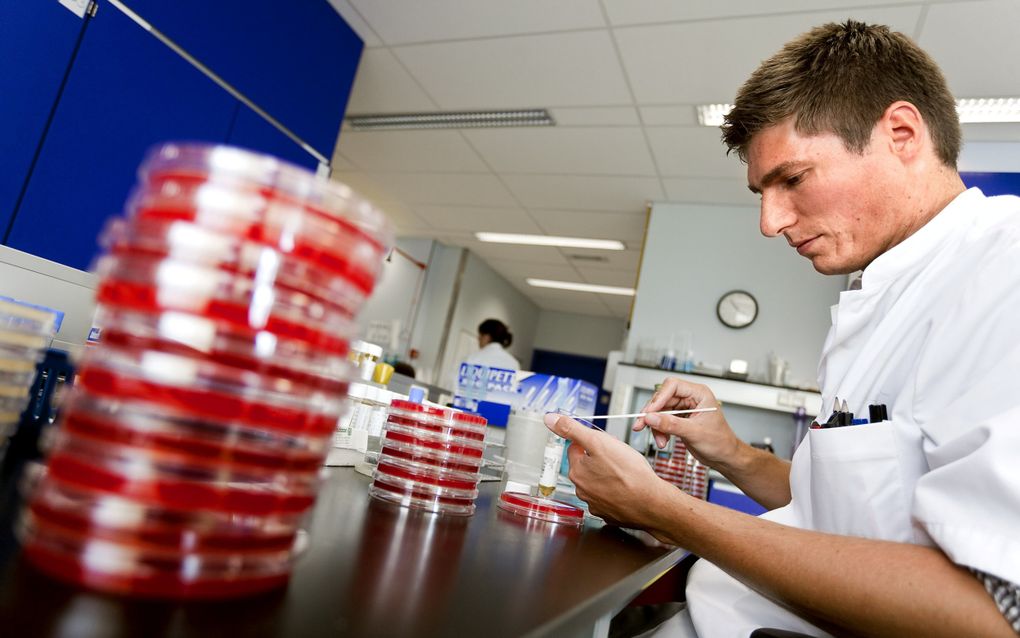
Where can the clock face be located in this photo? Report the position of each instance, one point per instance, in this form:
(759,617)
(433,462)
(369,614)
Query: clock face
(737,309)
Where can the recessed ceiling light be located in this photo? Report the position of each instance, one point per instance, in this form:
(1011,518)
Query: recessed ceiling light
(549,240)
(712,114)
(995,109)
(970,110)
(450,119)
(570,285)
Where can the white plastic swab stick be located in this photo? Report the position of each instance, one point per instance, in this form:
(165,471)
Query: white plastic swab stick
(640,414)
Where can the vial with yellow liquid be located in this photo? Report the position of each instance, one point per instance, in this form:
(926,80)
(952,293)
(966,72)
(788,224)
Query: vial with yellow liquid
(551,460)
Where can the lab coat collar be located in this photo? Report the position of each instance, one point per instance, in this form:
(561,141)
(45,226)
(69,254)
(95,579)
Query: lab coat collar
(924,244)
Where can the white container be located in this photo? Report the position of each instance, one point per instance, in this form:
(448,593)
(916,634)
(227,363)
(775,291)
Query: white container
(525,440)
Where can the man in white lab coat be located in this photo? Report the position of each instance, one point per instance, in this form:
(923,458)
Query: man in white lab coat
(909,526)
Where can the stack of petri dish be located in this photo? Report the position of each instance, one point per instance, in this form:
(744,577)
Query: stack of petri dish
(430,458)
(25,333)
(678,466)
(190,448)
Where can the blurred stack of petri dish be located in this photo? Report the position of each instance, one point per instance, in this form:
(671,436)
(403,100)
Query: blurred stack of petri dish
(190,448)
(430,458)
(678,466)
(25,334)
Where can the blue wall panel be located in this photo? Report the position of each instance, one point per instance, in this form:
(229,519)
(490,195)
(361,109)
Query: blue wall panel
(993,183)
(37,40)
(126,92)
(295,59)
(251,131)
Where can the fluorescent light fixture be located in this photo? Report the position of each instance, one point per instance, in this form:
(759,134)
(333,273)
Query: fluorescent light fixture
(994,109)
(970,110)
(570,285)
(450,119)
(548,240)
(712,114)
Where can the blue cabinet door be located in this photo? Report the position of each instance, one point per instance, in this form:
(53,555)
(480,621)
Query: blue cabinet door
(126,92)
(37,42)
(254,133)
(295,59)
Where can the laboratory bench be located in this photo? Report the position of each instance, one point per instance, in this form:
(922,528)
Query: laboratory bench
(372,568)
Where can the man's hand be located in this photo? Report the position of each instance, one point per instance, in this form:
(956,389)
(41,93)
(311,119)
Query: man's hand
(708,436)
(612,477)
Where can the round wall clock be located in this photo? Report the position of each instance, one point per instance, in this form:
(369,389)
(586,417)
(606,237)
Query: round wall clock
(737,309)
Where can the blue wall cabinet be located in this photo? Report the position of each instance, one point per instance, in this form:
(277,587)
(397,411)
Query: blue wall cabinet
(126,92)
(37,42)
(82,101)
(295,59)
(251,131)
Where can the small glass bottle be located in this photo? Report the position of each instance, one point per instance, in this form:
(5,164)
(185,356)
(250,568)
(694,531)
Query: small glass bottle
(552,458)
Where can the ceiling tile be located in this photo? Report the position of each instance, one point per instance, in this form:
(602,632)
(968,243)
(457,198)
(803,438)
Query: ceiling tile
(583,151)
(628,227)
(563,69)
(596,116)
(464,189)
(474,219)
(699,62)
(404,220)
(710,191)
(694,151)
(511,252)
(672,115)
(584,303)
(571,192)
(608,277)
(409,151)
(614,259)
(382,85)
(620,306)
(404,21)
(623,12)
(517,271)
(975,43)
(355,21)
(364,185)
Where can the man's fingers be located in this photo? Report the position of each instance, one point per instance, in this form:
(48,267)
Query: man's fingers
(570,430)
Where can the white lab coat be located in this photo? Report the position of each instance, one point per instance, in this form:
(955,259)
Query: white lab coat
(494,356)
(932,334)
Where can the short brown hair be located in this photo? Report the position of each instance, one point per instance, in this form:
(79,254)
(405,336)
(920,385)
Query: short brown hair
(840,78)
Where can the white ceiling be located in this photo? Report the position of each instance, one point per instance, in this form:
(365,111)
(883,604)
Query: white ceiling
(621,78)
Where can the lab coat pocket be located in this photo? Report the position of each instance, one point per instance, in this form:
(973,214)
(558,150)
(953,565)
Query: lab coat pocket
(857,487)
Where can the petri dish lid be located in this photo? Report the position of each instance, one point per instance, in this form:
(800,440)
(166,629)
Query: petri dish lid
(331,199)
(546,509)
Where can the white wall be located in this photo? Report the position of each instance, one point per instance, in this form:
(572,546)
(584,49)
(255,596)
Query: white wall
(39,281)
(399,285)
(485,294)
(578,334)
(436,302)
(694,253)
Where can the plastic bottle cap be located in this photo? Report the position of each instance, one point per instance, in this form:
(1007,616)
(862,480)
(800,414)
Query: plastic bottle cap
(416,395)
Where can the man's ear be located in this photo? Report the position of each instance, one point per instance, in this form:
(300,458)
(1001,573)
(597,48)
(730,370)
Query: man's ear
(904,129)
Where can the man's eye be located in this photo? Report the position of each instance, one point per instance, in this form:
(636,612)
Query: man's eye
(793,180)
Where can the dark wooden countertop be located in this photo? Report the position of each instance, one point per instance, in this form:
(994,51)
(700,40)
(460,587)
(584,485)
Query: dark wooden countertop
(376,569)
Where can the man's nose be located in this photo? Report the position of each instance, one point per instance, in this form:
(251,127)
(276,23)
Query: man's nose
(776,215)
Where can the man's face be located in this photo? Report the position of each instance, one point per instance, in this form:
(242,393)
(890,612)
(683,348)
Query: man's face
(835,207)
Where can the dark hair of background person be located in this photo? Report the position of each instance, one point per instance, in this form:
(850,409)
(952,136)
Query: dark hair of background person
(404,368)
(840,78)
(497,331)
